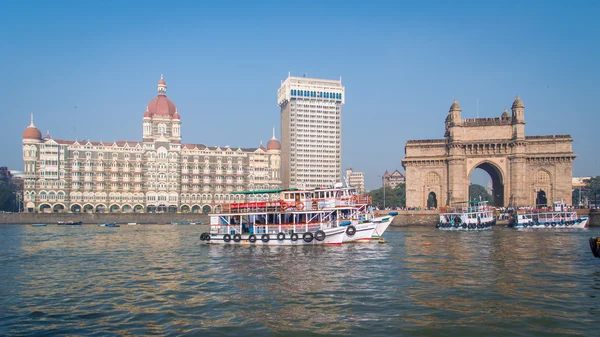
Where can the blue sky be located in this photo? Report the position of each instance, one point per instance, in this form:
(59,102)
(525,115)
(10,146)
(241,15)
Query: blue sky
(88,69)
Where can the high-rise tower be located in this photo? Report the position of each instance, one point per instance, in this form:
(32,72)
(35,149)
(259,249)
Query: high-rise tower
(311,131)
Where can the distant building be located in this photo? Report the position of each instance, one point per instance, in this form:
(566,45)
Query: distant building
(356,179)
(5,174)
(394,179)
(311,131)
(579,181)
(157,174)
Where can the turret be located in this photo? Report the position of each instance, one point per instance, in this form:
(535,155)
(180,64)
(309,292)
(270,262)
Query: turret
(518,118)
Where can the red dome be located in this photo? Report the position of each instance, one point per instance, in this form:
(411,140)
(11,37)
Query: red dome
(162,82)
(176,115)
(32,133)
(273,144)
(161,105)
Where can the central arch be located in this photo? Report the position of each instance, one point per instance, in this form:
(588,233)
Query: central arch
(497,181)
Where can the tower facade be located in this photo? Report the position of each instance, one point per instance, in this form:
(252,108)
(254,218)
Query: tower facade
(311,131)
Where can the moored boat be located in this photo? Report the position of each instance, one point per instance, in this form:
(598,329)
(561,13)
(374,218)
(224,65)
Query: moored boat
(383,225)
(108,224)
(595,246)
(559,216)
(132,224)
(291,217)
(477,215)
(39,224)
(367,230)
(69,223)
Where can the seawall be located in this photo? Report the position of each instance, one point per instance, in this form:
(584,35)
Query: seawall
(96,218)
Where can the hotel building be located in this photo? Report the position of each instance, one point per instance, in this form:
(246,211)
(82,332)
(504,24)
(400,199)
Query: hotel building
(311,131)
(157,174)
(355,179)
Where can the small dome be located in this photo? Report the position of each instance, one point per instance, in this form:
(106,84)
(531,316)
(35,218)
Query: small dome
(273,144)
(518,103)
(455,106)
(161,81)
(176,115)
(32,132)
(147,114)
(505,114)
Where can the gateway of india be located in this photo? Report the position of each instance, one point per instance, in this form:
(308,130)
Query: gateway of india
(525,170)
(157,174)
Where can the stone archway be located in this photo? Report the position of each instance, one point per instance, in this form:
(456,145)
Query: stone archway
(432,200)
(517,164)
(541,200)
(496,175)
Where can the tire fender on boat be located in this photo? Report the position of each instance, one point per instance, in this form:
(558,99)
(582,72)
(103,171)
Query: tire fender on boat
(281,236)
(207,237)
(350,230)
(237,238)
(265,238)
(226,237)
(294,237)
(252,238)
(307,237)
(202,236)
(320,235)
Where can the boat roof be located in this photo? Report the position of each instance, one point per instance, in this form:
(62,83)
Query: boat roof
(292,189)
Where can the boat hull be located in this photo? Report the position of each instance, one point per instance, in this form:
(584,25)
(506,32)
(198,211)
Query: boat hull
(363,232)
(332,236)
(554,225)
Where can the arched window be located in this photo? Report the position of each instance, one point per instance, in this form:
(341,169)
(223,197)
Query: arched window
(432,179)
(542,177)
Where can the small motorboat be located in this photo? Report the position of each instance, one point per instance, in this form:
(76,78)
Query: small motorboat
(132,224)
(111,225)
(595,246)
(69,223)
(39,224)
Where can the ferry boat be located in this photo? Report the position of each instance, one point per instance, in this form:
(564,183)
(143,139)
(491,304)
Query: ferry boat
(294,217)
(559,216)
(477,215)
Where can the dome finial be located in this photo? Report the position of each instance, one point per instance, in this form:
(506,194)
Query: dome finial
(31,124)
(273,133)
(162,86)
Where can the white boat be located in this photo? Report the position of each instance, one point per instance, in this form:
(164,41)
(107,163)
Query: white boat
(367,229)
(382,225)
(292,217)
(132,224)
(559,216)
(477,215)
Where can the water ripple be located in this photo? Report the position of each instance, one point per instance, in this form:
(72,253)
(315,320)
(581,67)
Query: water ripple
(159,280)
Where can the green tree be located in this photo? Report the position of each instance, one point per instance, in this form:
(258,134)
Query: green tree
(394,197)
(477,191)
(6,194)
(594,189)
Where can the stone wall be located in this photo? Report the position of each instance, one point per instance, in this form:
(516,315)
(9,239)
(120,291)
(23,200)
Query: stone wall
(97,218)
(413,218)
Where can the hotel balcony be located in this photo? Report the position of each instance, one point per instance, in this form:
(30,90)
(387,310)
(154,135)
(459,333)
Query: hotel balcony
(75,169)
(88,179)
(138,170)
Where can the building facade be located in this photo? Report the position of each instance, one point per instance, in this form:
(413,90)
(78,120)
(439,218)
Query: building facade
(393,179)
(355,179)
(157,174)
(525,170)
(311,131)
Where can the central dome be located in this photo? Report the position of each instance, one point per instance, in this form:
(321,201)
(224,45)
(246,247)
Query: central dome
(161,105)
